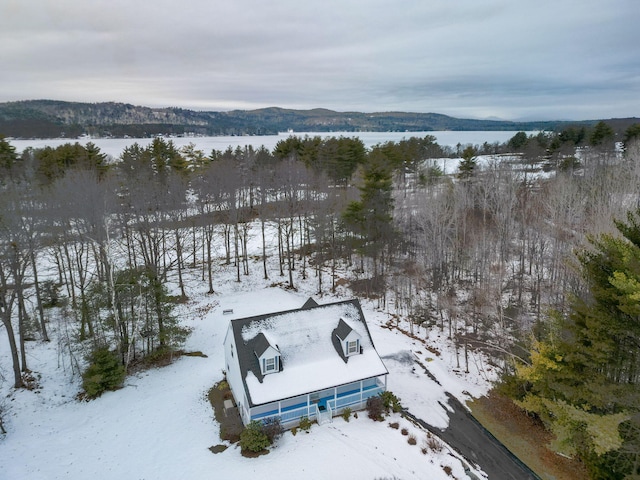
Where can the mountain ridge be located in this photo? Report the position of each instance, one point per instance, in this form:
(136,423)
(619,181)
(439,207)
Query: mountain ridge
(55,118)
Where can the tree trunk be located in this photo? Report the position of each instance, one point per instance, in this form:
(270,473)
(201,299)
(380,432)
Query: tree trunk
(36,284)
(71,285)
(280,249)
(21,326)
(193,238)
(289,239)
(179,253)
(245,253)
(6,307)
(264,251)
(205,231)
(157,289)
(17,376)
(227,242)
(236,251)
(209,235)
(59,266)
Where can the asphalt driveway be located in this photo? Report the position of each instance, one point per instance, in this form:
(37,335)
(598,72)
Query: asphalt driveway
(477,445)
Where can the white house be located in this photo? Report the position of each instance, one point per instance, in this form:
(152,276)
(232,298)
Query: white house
(310,362)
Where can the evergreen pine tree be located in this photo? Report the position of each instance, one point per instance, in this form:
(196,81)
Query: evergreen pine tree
(468,165)
(583,376)
(105,372)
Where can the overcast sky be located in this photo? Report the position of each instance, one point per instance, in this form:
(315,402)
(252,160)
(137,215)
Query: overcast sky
(511,59)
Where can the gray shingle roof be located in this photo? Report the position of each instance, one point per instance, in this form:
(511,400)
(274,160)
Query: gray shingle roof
(309,304)
(337,344)
(261,344)
(343,330)
(247,349)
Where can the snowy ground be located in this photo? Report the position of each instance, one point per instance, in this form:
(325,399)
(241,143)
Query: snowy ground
(160,425)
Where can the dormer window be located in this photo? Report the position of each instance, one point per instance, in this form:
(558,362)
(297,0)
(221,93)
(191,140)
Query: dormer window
(270,361)
(270,364)
(267,353)
(349,339)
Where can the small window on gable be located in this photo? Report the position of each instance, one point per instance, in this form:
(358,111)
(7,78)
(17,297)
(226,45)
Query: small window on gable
(352,347)
(269,364)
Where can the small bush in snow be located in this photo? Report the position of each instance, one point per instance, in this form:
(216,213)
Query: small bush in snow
(272,428)
(404,432)
(305,424)
(412,440)
(375,408)
(433,443)
(105,372)
(391,402)
(346,414)
(253,438)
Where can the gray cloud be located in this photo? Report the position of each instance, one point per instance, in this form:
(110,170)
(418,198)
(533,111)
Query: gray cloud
(480,58)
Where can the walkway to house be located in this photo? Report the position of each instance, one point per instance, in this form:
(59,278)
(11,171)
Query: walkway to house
(477,445)
(229,419)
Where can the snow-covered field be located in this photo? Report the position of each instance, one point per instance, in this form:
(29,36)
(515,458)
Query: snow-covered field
(161,425)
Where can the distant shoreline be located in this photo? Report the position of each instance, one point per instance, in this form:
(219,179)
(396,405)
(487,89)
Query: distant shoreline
(114,146)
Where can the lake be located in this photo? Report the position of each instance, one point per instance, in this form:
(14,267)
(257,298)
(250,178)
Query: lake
(115,146)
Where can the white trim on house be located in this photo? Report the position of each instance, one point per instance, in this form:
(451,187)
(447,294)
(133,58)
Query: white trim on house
(304,364)
(348,337)
(351,340)
(325,403)
(270,357)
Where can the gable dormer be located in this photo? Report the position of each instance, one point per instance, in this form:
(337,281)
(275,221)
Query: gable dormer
(268,355)
(310,303)
(350,340)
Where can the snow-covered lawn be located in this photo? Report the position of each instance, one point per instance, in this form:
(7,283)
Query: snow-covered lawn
(160,425)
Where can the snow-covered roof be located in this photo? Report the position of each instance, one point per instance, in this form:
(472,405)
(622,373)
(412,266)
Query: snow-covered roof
(309,356)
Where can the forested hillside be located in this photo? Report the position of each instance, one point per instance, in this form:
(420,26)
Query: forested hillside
(486,256)
(52,119)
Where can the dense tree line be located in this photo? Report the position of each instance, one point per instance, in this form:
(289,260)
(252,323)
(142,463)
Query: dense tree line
(481,253)
(117,234)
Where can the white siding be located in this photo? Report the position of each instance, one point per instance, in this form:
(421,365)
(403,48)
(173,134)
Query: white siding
(270,353)
(352,337)
(234,378)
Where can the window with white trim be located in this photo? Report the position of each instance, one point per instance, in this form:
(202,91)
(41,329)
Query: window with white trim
(352,347)
(269,364)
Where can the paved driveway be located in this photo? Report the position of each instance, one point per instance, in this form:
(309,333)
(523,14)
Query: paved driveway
(477,445)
